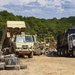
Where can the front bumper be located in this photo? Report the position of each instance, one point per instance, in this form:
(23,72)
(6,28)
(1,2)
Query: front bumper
(24,51)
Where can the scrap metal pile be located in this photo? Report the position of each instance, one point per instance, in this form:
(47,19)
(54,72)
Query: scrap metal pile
(10,62)
(46,50)
(50,52)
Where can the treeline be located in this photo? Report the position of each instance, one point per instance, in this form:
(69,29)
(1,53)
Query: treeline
(42,27)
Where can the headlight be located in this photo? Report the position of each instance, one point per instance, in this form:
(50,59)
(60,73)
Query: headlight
(18,49)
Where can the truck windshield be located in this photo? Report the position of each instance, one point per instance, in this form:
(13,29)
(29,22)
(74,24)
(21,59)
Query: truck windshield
(28,39)
(20,39)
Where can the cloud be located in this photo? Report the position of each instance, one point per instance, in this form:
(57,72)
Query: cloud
(42,2)
(27,1)
(39,8)
(4,2)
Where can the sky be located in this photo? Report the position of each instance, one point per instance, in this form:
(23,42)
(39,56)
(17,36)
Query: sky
(47,9)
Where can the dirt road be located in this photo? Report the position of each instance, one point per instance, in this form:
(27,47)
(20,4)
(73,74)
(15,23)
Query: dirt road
(43,65)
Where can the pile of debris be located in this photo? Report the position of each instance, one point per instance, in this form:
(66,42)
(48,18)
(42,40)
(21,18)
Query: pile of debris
(49,52)
(10,62)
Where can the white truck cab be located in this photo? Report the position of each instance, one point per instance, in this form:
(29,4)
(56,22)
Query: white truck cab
(24,45)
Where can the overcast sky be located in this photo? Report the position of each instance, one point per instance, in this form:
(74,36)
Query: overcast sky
(40,8)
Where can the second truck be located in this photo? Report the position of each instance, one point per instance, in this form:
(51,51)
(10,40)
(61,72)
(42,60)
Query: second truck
(66,43)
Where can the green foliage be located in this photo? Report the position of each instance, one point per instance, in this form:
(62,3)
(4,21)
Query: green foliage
(42,27)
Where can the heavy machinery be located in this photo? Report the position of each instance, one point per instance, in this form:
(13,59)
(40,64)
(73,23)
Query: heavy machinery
(10,62)
(47,41)
(14,39)
(50,42)
(66,43)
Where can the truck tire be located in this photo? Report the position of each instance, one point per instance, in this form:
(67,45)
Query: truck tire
(58,53)
(30,55)
(63,52)
(66,53)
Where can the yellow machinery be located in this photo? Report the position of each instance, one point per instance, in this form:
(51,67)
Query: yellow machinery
(47,41)
(50,41)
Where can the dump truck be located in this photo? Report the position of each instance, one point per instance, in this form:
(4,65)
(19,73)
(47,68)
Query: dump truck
(12,29)
(66,43)
(14,40)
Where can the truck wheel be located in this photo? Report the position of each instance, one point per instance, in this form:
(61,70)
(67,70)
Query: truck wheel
(66,53)
(58,53)
(63,52)
(30,55)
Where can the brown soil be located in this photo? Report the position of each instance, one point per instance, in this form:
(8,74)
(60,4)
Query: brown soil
(43,65)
